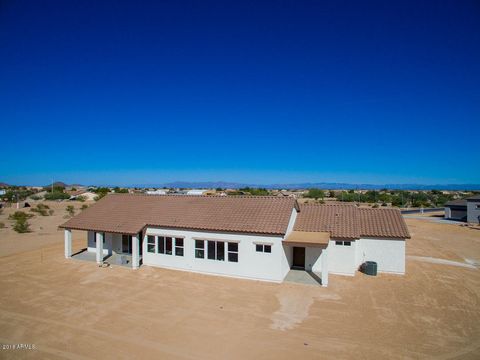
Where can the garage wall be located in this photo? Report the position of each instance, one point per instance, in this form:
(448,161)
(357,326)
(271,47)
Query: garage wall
(387,253)
(251,264)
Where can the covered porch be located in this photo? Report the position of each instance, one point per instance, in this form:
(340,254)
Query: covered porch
(308,257)
(111,248)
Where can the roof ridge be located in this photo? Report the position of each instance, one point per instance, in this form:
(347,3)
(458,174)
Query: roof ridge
(207,196)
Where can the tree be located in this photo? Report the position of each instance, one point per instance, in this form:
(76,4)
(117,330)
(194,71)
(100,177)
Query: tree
(315,194)
(70,210)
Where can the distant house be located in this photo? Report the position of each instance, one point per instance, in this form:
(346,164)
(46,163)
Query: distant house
(196,192)
(254,237)
(156,192)
(88,195)
(467,209)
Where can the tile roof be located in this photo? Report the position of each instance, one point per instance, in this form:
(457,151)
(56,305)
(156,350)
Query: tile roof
(345,221)
(130,213)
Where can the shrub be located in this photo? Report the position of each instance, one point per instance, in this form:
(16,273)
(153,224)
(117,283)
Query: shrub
(36,197)
(41,209)
(50,212)
(315,194)
(2,225)
(18,215)
(81,198)
(21,225)
(70,210)
(84,206)
(56,195)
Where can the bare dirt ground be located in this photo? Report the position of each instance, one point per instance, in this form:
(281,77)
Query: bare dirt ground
(73,309)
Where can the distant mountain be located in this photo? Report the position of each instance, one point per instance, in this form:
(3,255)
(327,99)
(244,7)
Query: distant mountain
(57,184)
(323,185)
(2,184)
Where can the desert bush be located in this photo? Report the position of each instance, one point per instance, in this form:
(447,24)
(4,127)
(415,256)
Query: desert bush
(21,225)
(84,206)
(18,215)
(50,212)
(70,210)
(2,225)
(41,209)
(56,195)
(81,198)
(36,197)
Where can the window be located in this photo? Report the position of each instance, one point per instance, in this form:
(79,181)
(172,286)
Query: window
(151,244)
(161,244)
(168,245)
(199,249)
(344,243)
(338,242)
(263,248)
(178,246)
(232,252)
(165,245)
(216,250)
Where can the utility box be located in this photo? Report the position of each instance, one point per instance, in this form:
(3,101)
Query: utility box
(369,268)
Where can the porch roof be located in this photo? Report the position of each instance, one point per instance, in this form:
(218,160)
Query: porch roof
(308,238)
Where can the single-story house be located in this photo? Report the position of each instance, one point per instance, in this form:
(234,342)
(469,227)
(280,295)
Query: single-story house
(254,237)
(88,195)
(467,209)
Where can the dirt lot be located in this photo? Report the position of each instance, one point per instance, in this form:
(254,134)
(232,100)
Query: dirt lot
(73,309)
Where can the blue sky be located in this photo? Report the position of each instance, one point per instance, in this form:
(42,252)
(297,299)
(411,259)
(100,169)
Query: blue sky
(266,92)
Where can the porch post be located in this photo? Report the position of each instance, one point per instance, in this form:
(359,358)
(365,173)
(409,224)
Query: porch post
(99,240)
(135,252)
(68,243)
(325,267)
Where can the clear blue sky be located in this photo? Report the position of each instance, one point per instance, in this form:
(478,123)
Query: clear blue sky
(249,91)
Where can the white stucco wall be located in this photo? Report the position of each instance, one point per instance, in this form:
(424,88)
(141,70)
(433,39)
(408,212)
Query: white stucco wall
(251,264)
(341,259)
(313,259)
(107,246)
(387,253)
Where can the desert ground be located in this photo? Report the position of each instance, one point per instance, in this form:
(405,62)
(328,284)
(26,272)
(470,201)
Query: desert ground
(76,310)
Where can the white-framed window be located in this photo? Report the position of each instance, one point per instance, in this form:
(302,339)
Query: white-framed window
(178,246)
(215,250)
(265,248)
(169,245)
(232,252)
(200,249)
(151,244)
(343,243)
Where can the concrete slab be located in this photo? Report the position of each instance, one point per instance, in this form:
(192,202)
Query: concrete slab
(303,277)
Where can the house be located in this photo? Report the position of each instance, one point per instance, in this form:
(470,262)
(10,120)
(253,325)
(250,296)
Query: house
(88,195)
(196,192)
(254,237)
(467,209)
(156,192)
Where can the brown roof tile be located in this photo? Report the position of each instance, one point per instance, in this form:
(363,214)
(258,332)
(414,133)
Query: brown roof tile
(345,221)
(130,213)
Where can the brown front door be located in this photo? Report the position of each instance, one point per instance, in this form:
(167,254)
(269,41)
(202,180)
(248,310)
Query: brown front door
(298,258)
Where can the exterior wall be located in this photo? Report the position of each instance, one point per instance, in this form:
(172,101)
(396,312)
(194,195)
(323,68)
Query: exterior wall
(448,213)
(473,214)
(107,246)
(387,253)
(251,264)
(342,259)
(313,259)
(456,212)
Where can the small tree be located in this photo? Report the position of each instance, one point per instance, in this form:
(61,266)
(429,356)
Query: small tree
(315,194)
(70,210)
